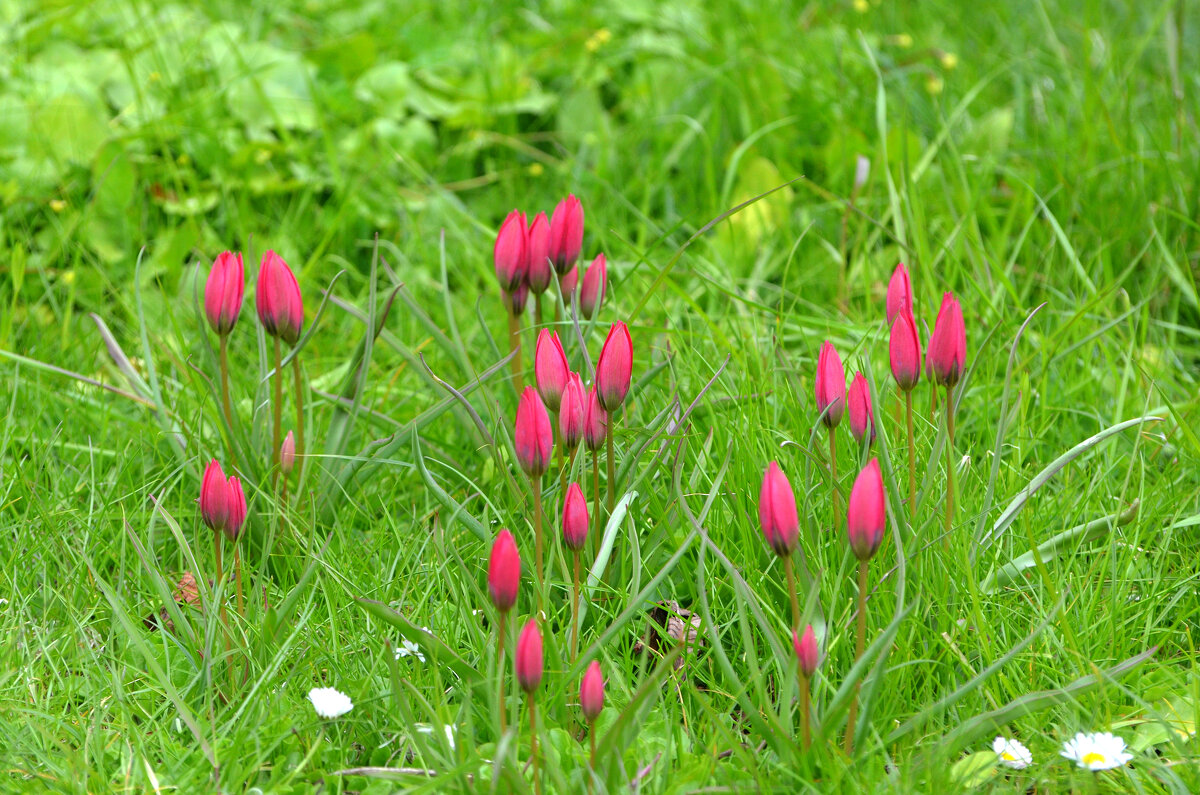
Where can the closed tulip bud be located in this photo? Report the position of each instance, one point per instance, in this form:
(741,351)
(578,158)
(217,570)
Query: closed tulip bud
(568,282)
(237,509)
(866,515)
(515,301)
(223,292)
(595,283)
(214,497)
(550,368)
(947,353)
(614,368)
(541,270)
(899,294)
(591,692)
(533,435)
(571,412)
(575,518)
(287,454)
(566,233)
(830,385)
(777,511)
(806,651)
(529,661)
(504,572)
(595,421)
(862,418)
(277,298)
(511,252)
(904,351)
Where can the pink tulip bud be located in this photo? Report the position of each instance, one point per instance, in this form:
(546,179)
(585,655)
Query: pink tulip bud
(899,294)
(237,509)
(568,282)
(541,270)
(511,252)
(614,369)
(830,385)
(595,421)
(862,417)
(515,301)
(866,515)
(566,233)
(591,692)
(277,298)
(529,661)
(777,511)
(904,350)
(571,412)
(550,368)
(595,283)
(223,292)
(533,435)
(214,497)
(947,353)
(575,518)
(287,454)
(806,651)
(504,572)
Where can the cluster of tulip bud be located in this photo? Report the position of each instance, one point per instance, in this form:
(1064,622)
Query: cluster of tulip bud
(866,511)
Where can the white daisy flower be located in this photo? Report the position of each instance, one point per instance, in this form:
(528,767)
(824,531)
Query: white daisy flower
(409,649)
(1097,751)
(1012,753)
(329,702)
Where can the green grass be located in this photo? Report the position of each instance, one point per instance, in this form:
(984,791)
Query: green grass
(1021,155)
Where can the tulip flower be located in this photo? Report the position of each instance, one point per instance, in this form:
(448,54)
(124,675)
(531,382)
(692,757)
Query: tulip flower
(223,292)
(862,418)
(830,387)
(287,454)
(529,664)
(575,530)
(533,440)
(237,509)
(571,413)
(568,283)
(595,434)
(899,294)
(904,351)
(807,655)
(591,692)
(566,234)
(595,283)
(277,299)
(223,510)
(214,497)
(504,572)
(510,254)
(948,344)
(777,511)
(866,519)
(550,368)
(614,368)
(541,270)
(515,301)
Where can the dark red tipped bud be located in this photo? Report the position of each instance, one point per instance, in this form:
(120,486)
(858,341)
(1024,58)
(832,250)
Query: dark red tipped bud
(223,292)
(830,385)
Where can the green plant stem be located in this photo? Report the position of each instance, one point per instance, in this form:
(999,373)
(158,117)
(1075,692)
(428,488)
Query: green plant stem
(503,689)
(791,586)
(592,755)
(225,404)
(533,744)
(299,386)
(514,346)
(536,482)
(575,610)
(837,500)
(596,488)
(220,577)
(949,464)
(805,737)
(537,310)
(859,646)
(237,575)
(612,470)
(278,410)
(912,463)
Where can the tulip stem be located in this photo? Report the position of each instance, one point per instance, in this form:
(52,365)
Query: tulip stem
(500,627)
(837,501)
(859,647)
(804,708)
(533,745)
(912,464)
(537,534)
(237,575)
(299,386)
(612,470)
(575,610)
(225,384)
(949,464)
(278,408)
(592,756)
(596,491)
(791,586)
(537,310)
(514,346)
(224,615)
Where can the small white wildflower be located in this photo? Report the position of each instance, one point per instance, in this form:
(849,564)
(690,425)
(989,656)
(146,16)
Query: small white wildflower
(329,702)
(1012,753)
(1096,751)
(409,649)
(425,728)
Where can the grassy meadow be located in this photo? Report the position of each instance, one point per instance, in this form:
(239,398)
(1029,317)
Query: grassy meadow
(753,172)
